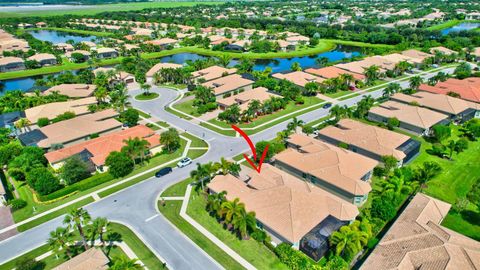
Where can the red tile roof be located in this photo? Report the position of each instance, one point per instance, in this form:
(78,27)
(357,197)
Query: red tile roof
(468,88)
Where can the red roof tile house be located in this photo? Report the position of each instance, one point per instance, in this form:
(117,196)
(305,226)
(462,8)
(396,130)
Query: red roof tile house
(95,151)
(468,88)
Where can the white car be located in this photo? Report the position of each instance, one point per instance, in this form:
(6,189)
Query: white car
(184,162)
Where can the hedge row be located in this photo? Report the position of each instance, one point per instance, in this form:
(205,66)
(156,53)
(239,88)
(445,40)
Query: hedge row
(79,186)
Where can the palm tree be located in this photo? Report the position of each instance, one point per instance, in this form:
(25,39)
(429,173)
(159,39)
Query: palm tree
(119,97)
(123,263)
(224,60)
(426,172)
(243,222)
(214,202)
(230,209)
(254,106)
(296,66)
(200,174)
(321,61)
(395,186)
(224,165)
(136,148)
(61,239)
(391,89)
(145,88)
(98,228)
(415,82)
(348,242)
(336,112)
(372,73)
(22,124)
(347,79)
(295,123)
(100,94)
(78,218)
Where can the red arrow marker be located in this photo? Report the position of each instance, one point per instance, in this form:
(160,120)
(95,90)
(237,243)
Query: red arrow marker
(254,150)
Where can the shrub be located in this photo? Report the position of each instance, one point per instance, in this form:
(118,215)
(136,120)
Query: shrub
(383,208)
(17,174)
(343,145)
(9,152)
(42,181)
(17,204)
(94,135)
(29,264)
(294,259)
(43,121)
(299,101)
(74,170)
(63,116)
(119,164)
(130,117)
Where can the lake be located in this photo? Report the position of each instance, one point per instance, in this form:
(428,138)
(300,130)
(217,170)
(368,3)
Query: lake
(58,37)
(277,64)
(461,27)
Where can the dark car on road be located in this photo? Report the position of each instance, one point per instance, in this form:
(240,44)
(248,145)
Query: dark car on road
(163,172)
(328,105)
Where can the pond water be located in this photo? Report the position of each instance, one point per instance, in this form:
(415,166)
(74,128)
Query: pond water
(277,64)
(58,37)
(461,27)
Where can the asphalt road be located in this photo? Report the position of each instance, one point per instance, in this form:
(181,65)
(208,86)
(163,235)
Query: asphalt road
(136,205)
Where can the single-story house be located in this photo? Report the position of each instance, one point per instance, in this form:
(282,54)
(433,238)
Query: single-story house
(11,63)
(416,240)
(299,78)
(443,50)
(7,120)
(86,54)
(11,43)
(244,98)
(73,131)
(92,259)
(44,59)
(163,42)
(418,55)
(334,72)
(75,90)
(41,25)
(121,76)
(65,47)
(228,84)
(415,119)
(358,67)
(476,53)
(95,151)
(90,45)
(285,45)
(289,209)
(458,109)
(339,171)
(103,53)
(211,73)
(150,73)
(371,141)
(468,89)
(297,39)
(52,110)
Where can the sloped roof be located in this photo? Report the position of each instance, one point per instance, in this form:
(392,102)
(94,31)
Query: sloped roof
(333,72)
(227,83)
(445,104)
(212,72)
(159,66)
(468,88)
(283,202)
(92,259)
(417,241)
(52,110)
(377,140)
(76,90)
(412,115)
(299,78)
(337,166)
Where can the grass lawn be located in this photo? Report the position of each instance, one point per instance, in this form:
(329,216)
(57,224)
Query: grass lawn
(143,114)
(339,94)
(148,96)
(254,252)
(75,31)
(444,25)
(171,211)
(94,9)
(187,107)
(177,113)
(193,154)
(357,43)
(143,253)
(196,142)
(177,190)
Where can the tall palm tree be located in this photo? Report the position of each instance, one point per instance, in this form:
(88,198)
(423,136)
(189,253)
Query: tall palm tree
(61,239)
(243,222)
(372,73)
(200,174)
(295,123)
(415,82)
(119,98)
(99,228)
(224,165)
(214,202)
(426,172)
(348,242)
(224,60)
(100,94)
(347,79)
(296,66)
(336,112)
(230,209)
(124,263)
(145,88)
(391,89)
(78,218)
(136,148)
(321,61)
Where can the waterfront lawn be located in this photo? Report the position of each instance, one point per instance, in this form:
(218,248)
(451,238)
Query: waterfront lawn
(254,252)
(445,25)
(171,211)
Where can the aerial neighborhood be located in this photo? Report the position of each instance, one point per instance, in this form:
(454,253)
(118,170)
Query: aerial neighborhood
(326,135)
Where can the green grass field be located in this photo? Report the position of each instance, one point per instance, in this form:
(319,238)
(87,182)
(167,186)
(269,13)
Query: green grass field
(94,9)
(444,25)
(149,96)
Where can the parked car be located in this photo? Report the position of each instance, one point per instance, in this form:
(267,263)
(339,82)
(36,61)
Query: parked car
(163,171)
(184,162)
(328,105)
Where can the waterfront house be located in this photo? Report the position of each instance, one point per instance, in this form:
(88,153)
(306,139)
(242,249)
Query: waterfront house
(74,90)
(10,63)
(105,53)
(211,73)
(229,84)
(44,59)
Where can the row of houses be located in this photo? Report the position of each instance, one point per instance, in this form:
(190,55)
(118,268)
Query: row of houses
(9,42)
(315,186)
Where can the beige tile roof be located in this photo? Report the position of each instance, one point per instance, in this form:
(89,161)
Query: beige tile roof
(443,50)
(85,53)
(337,166)
(259,93)
(52,110)
(283,202)
(377,140)
(417,241)
(9,60)
(159,66)
(416,54)
(443,103)
(299,78)
(468,88)
(333,72)
(212,72)
(92,259)
(162,41)
(227,83)
(77,90)
(413,115)
(79,127)
(106,50)
(357,66)
(42,57)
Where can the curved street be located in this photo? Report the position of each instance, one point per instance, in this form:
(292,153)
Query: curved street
(136,206)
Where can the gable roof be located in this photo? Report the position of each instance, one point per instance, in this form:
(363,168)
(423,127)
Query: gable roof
(52,110)
(417,241)
(337,166)
(468,88)
(283,202)
(227,83)
(159,66)
(412,115)
(377,140)
(212,73)
(333,72)
(75,90)
(299,78)
(443,103)
(92,259)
